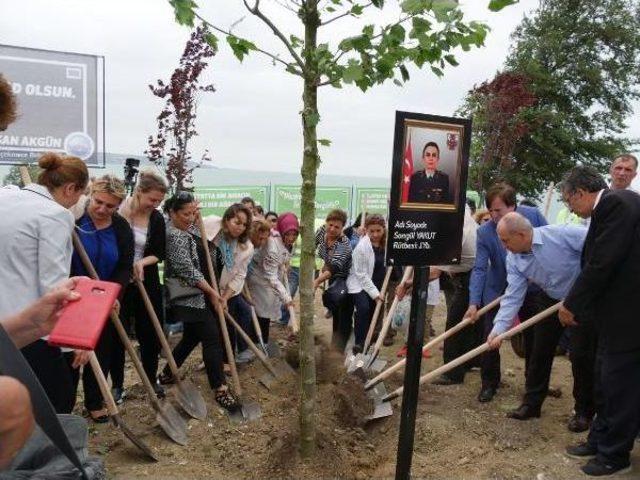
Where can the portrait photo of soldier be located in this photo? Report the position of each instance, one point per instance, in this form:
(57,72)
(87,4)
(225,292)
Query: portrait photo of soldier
(428,184)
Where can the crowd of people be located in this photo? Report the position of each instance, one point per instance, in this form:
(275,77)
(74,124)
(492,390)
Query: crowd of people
(590,267)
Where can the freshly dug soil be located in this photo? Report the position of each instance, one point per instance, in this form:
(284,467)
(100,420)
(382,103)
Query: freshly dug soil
(456,437)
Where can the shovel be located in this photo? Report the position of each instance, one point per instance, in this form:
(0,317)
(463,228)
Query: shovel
(386,323)
(248,410)
(478,350)
(166,415)
(353,361)
(271,349)
(187,395)
(274,374)
(433,343)
(113,409)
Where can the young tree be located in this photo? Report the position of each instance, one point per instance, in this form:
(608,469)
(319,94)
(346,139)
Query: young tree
(14,177)
(424,33)
(581,59)
(176,122)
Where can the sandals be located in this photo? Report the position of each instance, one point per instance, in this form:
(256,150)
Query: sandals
(227,400)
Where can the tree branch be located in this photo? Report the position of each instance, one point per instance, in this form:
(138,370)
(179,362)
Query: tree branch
(275,58)
(347,13)
(256,11)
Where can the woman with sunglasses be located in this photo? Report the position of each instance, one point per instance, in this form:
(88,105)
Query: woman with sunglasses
(149,233)
(230,235)
(108,241)
(195,309)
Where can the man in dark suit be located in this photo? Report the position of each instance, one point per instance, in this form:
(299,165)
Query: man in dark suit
(429,185)
(604,294)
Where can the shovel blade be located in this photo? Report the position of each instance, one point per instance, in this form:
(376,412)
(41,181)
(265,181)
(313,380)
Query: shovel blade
(143,447)
(268,380)
(282,368)
(172,423)
(381,409)
(251,411)
(235,416)
(191,401)
(273,349)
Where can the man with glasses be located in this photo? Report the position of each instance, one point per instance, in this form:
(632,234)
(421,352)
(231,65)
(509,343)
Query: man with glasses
(601,300)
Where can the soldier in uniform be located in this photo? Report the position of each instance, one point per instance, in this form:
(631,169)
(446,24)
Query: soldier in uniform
(429,185)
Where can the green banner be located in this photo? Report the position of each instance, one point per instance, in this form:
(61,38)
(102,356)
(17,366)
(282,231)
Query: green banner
(215,200)
(372,200)
(287,199)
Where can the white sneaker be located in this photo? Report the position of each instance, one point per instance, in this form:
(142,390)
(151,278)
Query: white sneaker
(245,356)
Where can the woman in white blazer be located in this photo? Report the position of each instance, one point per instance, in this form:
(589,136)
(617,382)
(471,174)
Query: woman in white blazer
(230,234)
(366,276)
(35,254)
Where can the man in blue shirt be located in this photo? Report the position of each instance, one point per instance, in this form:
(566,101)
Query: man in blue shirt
(548,257)
(489,275)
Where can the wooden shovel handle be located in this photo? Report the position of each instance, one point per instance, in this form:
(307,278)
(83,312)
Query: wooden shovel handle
(392,310)
(220,311)
(480,349)
(112,408)
(433,343)
(293,320)
(376,312)
(124,338)
(261,356)
(158,328)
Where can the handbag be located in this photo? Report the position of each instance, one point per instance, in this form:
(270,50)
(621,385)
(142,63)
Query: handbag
(177,288)
(335,295)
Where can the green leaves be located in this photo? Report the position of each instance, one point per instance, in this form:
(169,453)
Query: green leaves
(212,40)
(312,119)
(497,5)
(184,11)
(325,142)
(240,46)
(353,72)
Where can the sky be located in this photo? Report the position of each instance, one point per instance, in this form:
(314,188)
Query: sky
(252,119)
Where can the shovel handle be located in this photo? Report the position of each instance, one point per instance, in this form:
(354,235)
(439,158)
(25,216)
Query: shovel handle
(293,321)
(387,320)
(433,343)
(251,344)
(112,408)
(220,311)
(376,312)
(478,350)
(254,316)
(158,328)
(86,261)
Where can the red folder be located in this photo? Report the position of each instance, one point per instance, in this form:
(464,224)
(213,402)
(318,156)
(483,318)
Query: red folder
(81,322)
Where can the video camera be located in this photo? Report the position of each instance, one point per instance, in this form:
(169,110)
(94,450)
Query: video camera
(131,169)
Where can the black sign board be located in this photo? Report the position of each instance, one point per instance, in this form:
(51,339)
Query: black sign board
(428,189)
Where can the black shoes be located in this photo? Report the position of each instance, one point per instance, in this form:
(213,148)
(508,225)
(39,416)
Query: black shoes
(446,380)
(356,349)
(160,393)
(579,423)
(524,412)
(581,451)
(597,468)
(486,394)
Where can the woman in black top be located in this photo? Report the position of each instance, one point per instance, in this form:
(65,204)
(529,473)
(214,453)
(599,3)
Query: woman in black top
(184,264)
(149,233)
(333,247)
(108,241)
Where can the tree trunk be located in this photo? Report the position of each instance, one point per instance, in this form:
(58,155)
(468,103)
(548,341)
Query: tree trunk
(310,163)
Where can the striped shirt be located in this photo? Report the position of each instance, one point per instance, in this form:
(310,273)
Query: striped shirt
(337,258)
